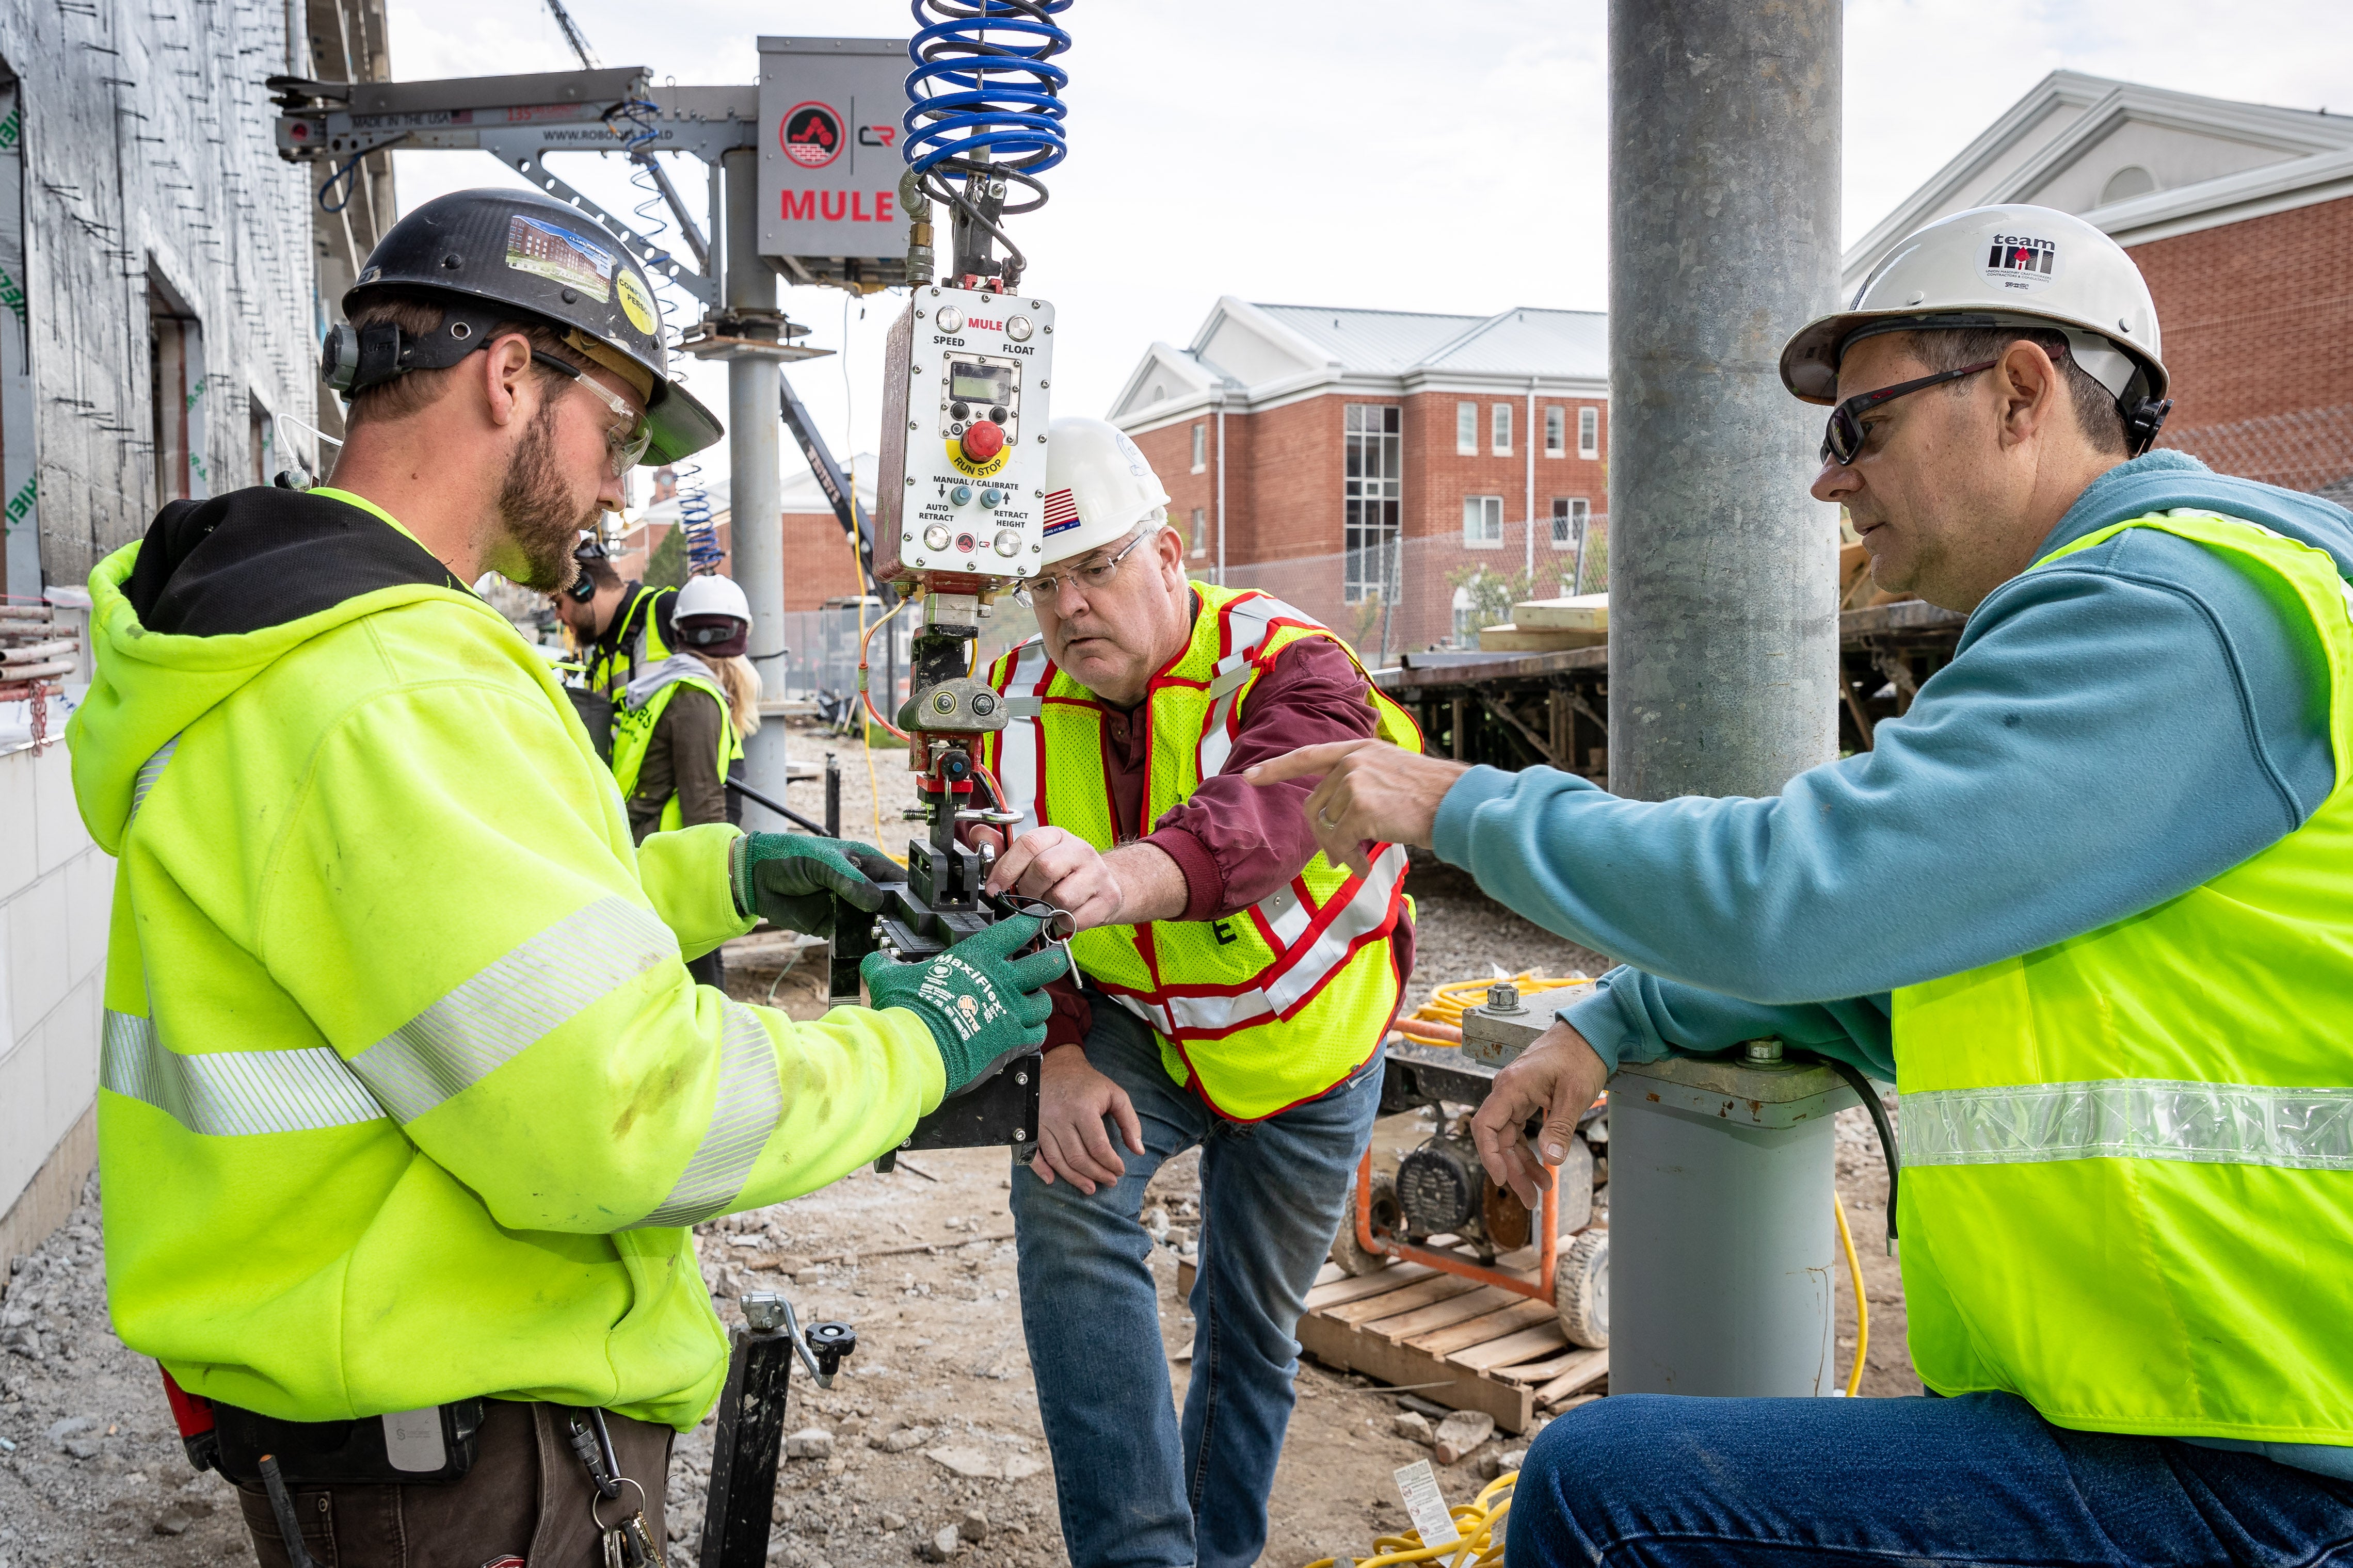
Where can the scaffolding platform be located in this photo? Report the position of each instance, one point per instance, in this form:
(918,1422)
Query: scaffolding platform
(1453,1341)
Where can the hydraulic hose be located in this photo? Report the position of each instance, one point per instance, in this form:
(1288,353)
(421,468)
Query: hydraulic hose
(1871,1102)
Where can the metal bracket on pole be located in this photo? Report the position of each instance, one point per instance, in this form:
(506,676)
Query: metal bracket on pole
(519,120)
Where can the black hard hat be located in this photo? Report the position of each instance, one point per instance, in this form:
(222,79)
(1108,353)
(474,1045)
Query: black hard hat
(519,252)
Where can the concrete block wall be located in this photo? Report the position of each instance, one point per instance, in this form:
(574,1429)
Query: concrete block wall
(149,166)
(54,885)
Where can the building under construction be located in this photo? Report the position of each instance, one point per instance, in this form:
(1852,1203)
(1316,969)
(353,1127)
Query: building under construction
(166,278)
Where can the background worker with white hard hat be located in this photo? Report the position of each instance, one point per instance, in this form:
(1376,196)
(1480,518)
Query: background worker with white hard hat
(2088,904)
(407,1099)
(1236,988)
(680,725)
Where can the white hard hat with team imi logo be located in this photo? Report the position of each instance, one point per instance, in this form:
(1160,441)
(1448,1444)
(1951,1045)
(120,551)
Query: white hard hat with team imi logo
(1099,488)
(2013,266)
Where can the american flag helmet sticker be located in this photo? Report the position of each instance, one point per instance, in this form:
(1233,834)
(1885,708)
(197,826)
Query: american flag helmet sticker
(1061,512)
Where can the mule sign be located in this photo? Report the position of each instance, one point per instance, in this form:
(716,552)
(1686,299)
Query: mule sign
(830,157)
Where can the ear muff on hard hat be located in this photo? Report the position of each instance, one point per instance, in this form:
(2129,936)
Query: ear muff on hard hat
(583,587)
(1099,488)
(494,256)
(2010,266)
(711,615)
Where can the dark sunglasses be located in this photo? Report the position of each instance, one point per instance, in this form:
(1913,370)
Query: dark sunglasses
(1843,438)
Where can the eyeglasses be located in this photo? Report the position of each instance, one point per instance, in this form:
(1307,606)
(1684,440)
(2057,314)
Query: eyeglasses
(1090,579)
(1843,436)
(626,442)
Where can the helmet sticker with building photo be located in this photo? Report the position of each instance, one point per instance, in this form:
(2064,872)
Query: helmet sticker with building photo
(559,255)
(2020,260)
(636,303)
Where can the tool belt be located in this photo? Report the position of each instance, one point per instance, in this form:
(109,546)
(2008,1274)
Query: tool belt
(404,1449)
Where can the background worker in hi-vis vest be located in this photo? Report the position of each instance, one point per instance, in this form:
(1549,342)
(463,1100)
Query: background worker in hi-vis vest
(2088,904)
(406,1099)
(1236,989)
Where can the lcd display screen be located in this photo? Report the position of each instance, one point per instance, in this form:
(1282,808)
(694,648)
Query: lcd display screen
(991,384)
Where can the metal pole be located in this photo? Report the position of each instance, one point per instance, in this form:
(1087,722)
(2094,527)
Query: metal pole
(754,500)
(1724,236)
(1221,487)
(1528,443)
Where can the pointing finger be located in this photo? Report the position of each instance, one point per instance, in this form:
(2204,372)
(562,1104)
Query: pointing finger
(1304,762)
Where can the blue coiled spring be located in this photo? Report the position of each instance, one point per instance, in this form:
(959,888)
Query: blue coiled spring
(983,97)
(702,552)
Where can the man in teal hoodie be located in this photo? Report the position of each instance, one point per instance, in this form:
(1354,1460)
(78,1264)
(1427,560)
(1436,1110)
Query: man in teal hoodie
(2089,904)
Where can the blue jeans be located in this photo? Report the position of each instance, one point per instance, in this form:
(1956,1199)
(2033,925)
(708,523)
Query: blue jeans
(1134,1487)
(1649,1480)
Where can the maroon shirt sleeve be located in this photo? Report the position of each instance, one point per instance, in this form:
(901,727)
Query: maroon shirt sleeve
(1237,842)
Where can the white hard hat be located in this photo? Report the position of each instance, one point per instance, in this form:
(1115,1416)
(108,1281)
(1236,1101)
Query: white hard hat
(1097,488)
(709,594)
(2013,266)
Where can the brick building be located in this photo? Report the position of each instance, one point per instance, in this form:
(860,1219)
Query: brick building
(818,564)
(2240,214)
(1399,475)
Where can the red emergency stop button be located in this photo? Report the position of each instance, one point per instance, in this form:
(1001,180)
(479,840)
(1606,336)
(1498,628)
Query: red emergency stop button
(982,440)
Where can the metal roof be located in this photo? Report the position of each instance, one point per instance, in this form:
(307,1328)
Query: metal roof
(1531,342)
(1381,342)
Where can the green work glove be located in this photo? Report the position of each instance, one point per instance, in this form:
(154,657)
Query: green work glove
(981,1003)
(792,879)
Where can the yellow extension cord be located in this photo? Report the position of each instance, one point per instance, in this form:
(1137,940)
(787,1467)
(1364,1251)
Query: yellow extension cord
(1450,1001)
(1481,1522)
(865,707)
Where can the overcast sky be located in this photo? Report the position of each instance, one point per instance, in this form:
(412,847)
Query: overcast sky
(1412,157)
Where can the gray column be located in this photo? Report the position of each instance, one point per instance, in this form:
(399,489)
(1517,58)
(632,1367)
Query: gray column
(754,427)
(1723,239)
(1724,123)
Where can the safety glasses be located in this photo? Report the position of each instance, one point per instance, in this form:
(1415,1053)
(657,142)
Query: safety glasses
(1090,578)
(1843,436)
(625,443)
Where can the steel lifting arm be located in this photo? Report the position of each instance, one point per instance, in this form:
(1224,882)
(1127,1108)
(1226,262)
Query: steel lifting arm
(837,487)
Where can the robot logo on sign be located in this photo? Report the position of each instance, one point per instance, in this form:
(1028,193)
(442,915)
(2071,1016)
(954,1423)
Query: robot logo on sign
(811,133)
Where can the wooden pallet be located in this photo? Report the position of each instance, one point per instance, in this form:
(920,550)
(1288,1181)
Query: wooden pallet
(1463,1344)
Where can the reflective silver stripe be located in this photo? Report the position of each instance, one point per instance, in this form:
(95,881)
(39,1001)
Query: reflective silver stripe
(750,1102)
(2130,1118)
(149,772)
(514,1001)
(221,1093)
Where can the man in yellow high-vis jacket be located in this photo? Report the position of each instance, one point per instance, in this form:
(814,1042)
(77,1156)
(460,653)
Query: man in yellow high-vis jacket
(2089,904)
(1237,988)
(406,1099)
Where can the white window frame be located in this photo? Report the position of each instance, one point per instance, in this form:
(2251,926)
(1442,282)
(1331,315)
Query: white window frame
(1589,432)
(1201,446)
(1571,515)
(1482,522)
(1200,530)
(1555,431)
(1466,429)
(1499,421)
(1372,502)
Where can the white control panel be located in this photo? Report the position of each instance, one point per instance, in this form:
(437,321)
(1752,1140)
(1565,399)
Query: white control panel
(967,384)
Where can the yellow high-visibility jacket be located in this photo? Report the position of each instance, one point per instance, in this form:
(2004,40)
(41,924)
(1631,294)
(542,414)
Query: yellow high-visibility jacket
(406,1095)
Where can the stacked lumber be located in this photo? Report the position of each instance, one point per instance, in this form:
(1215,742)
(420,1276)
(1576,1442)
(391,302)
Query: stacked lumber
(1550,625)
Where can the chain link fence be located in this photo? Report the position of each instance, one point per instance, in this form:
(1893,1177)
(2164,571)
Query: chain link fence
(1433,591)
